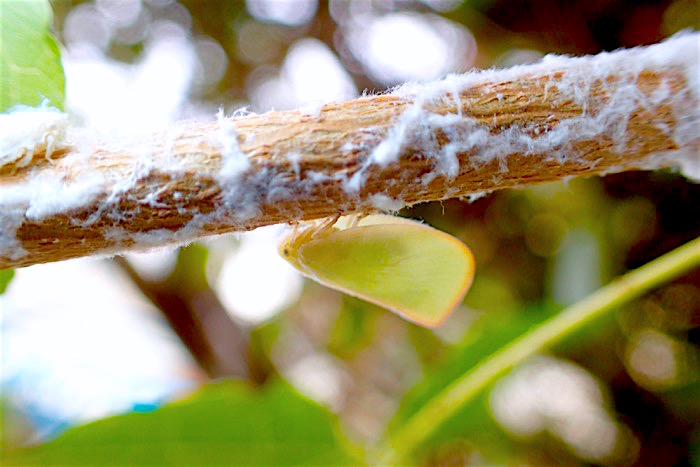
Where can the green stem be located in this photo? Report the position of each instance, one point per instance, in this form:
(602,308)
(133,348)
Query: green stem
(623,289)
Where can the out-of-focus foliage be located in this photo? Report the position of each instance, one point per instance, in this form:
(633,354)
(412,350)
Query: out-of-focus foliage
(536,249)
(30,62)
(6,276)
(222,424)
(473,422)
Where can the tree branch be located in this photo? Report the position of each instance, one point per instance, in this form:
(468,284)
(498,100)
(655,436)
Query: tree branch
(627,110)
(195,313)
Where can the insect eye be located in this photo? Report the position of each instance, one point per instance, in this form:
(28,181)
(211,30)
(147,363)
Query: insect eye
(285,252)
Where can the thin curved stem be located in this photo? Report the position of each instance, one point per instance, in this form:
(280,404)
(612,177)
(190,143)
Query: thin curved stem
(623,289)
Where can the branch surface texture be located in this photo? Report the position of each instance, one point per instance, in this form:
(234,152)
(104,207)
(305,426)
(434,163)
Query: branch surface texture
(66,193)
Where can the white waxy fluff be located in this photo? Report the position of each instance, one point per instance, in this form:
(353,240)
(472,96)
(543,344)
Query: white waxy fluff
(24,131)
(618,71)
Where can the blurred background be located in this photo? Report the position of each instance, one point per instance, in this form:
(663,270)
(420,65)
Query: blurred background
(85,339)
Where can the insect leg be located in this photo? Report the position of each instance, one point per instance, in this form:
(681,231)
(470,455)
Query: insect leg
(327,224)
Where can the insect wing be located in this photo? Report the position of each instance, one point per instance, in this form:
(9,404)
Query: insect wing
(410,268)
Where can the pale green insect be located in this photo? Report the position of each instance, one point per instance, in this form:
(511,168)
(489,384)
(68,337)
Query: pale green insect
(410,268)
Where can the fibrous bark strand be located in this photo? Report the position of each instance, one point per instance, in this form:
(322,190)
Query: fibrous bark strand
(453,138)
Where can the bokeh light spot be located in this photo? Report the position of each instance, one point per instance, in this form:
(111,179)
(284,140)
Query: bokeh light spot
(119,13)
(84,25)
(310,74)
(213,62)
(255,283)
(401,47)
(652,359)
(287,12)
(558,397)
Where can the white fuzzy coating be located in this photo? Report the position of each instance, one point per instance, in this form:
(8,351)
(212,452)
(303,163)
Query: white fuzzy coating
(47,195)
(312,109)
(27,130)
(239,200)
(235,162)
(384,203)
(243,191)
(473,197)
(23,132)
(11,220)
(294,158)
(417,125)
(36,199)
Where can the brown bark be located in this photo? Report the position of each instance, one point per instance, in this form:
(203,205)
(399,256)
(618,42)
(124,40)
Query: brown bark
(322,143)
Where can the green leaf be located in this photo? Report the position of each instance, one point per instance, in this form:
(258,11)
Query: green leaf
(6,276)
(420,422)
(30,61)
(472,426)
(354,328)
(489,335)
(223,424)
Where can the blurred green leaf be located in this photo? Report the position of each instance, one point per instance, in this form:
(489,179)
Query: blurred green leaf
(489,334)
(433,411)
(222,424)
(429,347)
(30,61)
(6,276)
(354,327)
(15,427)
(473,421)
(190,269)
